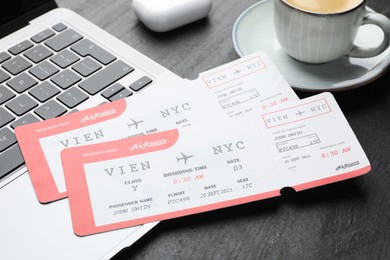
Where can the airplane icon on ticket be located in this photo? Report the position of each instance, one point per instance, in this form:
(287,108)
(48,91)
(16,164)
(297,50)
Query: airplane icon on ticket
(299,113)
(135,123)
(184,158)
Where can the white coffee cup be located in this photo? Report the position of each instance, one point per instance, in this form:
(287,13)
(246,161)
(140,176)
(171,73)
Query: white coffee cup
(321,34)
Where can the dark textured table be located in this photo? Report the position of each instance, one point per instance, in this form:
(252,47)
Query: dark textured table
(348,220)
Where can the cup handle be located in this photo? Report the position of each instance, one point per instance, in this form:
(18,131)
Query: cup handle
(382,22)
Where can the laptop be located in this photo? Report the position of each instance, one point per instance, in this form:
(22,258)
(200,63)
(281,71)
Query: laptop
(53,62)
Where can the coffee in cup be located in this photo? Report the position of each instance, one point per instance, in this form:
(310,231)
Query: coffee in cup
(324,30)
(324,6)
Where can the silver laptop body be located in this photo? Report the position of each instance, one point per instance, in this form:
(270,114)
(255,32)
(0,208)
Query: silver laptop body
(30,230)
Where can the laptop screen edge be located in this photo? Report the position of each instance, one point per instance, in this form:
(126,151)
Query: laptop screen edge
(24,19)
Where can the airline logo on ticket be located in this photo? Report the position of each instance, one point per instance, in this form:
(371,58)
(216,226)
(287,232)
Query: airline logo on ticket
(210,165)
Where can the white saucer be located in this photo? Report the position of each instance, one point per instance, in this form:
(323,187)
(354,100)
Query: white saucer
(254,31)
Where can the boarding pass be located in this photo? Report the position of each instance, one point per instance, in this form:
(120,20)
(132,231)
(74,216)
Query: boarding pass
(241,87)
(211,165)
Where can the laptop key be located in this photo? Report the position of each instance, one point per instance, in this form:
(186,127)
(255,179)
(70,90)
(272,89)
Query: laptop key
(86,67)
(21,47)
(24,120)
(16,65)
(59,27)
(4,56)
(38,53)
(103,78)
(121,94)
(65,79)
(63,40)
(44,91)
(10,160)
(112,90)
(5,94)
(5,117)
(22,82)
(72,97)
(44,70)
(7,138)
(85,47)
(21,104)
(3,76)
(50,109)
(40,37)
(64,58)
(141,83)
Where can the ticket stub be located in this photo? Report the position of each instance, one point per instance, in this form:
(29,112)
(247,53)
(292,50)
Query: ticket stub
(312,143)
(229,94)
(209,166)
(183,103)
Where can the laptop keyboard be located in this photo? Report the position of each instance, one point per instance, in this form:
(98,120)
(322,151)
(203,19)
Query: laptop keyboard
(49,75)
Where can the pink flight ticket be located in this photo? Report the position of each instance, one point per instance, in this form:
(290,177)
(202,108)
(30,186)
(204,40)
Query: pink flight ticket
(210,165)
(240,87)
